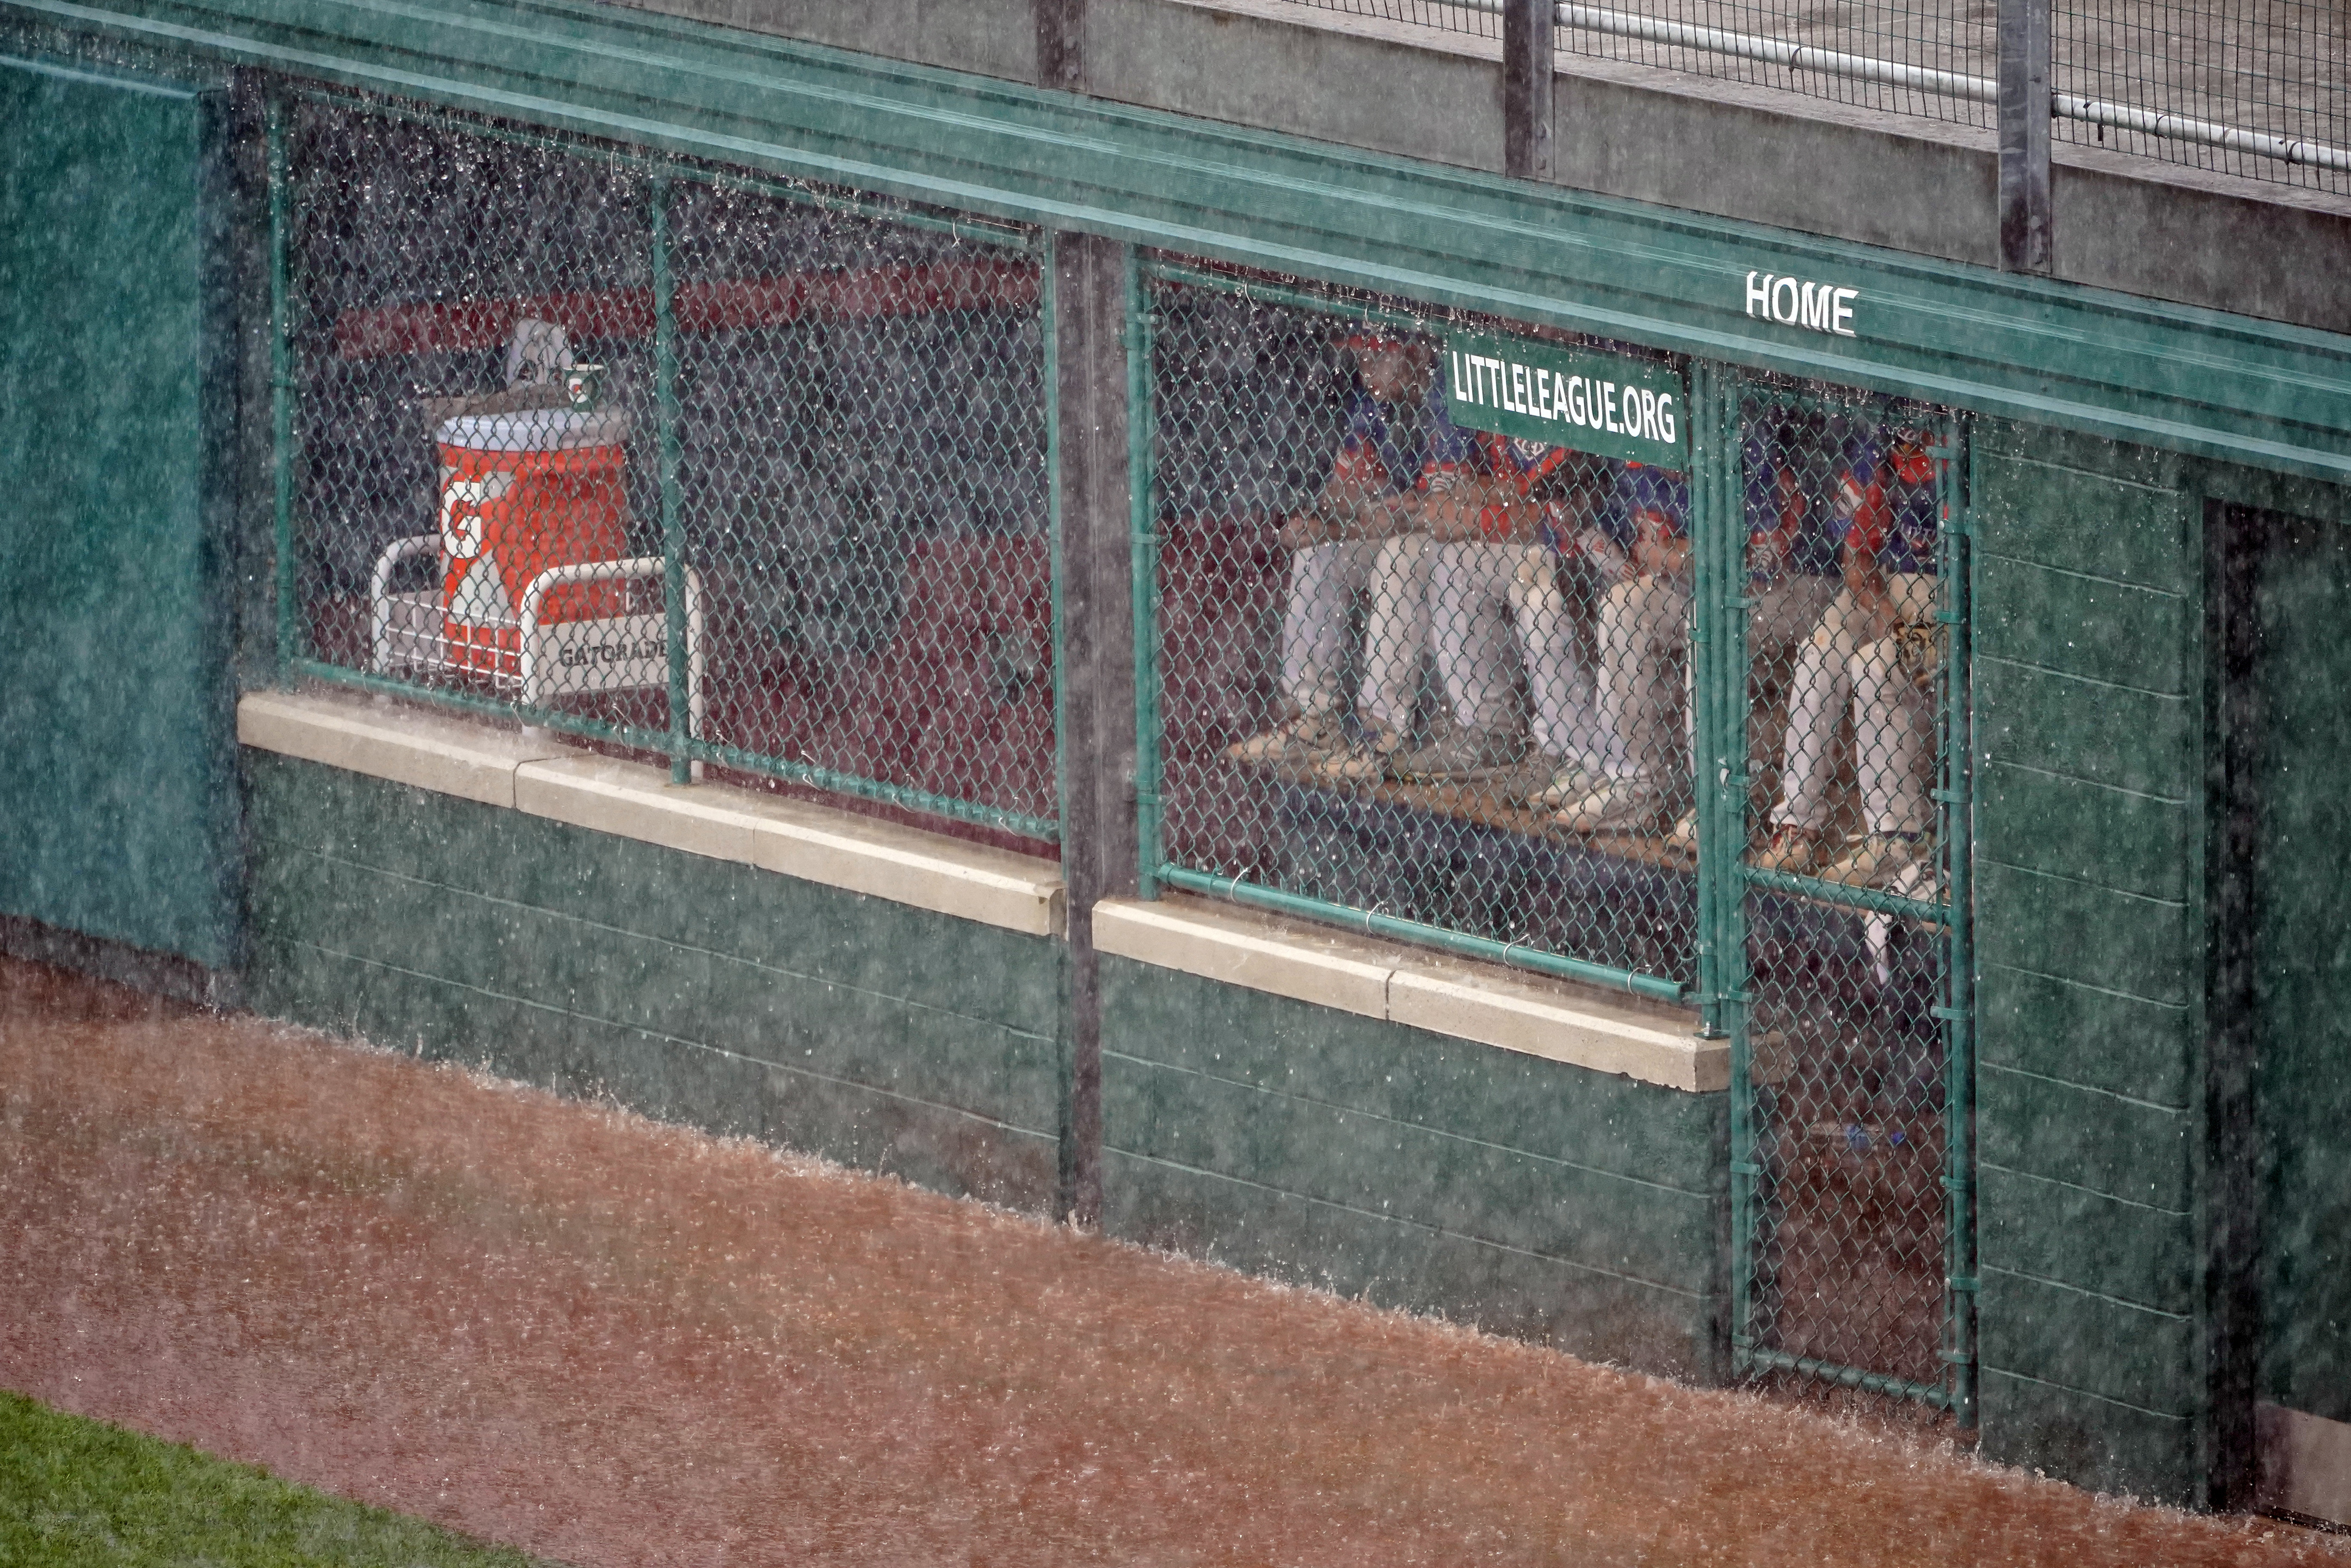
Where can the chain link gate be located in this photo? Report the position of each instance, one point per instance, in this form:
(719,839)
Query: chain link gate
(674,458)
(1843,652)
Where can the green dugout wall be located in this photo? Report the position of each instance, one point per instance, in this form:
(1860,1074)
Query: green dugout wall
(2110,1099)
(120,822)
(2109,433)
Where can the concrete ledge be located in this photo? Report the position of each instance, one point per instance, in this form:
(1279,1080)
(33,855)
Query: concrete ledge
(1479,1002)
(908,866)
(631,800)
(446,755)
(1239,948)
(793,838)
(882,860)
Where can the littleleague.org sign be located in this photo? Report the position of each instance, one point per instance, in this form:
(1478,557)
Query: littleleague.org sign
(1568,397)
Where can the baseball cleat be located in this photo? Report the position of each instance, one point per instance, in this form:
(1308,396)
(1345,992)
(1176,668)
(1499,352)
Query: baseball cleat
(1307,737)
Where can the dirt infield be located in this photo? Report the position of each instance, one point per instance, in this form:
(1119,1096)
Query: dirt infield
(610,1342)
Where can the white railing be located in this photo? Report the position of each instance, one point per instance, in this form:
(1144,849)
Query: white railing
(1946,84)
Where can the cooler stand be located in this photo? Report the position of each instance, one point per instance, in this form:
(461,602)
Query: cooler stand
(605,653)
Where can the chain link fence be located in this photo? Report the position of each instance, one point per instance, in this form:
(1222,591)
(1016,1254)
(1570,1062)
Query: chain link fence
(1476,20)
(1428,649)
(1851,1144)
(702,466)
(1378,642)
(670,457)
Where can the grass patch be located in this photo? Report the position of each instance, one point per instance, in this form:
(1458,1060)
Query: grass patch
(77,1491)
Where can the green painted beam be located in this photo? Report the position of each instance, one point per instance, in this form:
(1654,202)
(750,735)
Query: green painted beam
(2109,365)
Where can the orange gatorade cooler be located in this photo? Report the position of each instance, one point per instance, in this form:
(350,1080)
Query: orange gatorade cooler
(521,493)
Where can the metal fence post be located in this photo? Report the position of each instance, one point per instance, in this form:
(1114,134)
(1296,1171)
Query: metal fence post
(665,416)
(1093,293)
(1719,752)
(1712,761)
(281,387)
(2236,546)
(1142,529)
(2025,220)
(1722,415)
(1060,44)
(1528,32)
(1958,1000)
(1049,339)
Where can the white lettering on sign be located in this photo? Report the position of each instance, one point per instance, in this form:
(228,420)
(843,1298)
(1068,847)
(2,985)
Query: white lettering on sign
(1795,302)
(1595,405)
(1538,393)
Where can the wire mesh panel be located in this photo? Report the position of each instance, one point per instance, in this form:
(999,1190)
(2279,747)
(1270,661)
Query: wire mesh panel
(1405,668)
(672,456)
(861,480)
(444,467)
(1848,1132)
(2260,88)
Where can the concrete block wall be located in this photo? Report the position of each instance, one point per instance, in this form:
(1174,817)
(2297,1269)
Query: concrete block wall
(699,990)
(2090,822)
(1497,1149)
(1536,1198)
(1676,140)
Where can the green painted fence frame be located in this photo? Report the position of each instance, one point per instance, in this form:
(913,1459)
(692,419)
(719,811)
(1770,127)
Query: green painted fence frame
(683,751)
(1156,871)
(1721,628)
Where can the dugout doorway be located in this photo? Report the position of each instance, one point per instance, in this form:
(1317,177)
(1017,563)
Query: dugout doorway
(119,778)
(2283,948)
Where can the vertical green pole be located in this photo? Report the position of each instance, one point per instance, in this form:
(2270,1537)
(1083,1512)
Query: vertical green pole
(681,767)
(1709,754)
(1142,522)
(1722,415)
(281,384)
(1049,324)
(1718,756)
(1067,1027)
(1958,1001)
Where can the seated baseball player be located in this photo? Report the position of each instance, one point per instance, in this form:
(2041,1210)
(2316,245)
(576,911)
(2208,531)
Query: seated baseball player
(1793,541)
(1644,627)
(1875,656)
(1360,536)
(1498,532)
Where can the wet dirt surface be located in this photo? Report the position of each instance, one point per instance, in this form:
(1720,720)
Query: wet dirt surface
(610,1342)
